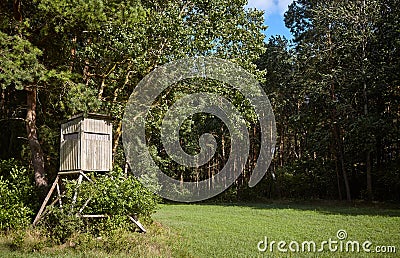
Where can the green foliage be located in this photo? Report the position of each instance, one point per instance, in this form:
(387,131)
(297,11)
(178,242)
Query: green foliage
(335,99)
(334,91)
(307,179)
(81,98)
(19,62)
(102,49)
(115,194)
(112,194)
(61,225)
(16,195)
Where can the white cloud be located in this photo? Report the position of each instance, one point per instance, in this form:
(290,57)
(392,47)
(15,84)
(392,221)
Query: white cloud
(283,5)
(270,6)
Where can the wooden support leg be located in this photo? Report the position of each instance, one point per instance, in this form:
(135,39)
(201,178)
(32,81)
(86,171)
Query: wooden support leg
(76,191)
(137,224)
(84,205)
(59,195)
(85,176)
(46,200)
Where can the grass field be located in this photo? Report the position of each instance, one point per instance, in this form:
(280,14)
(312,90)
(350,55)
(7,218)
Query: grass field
(234,230)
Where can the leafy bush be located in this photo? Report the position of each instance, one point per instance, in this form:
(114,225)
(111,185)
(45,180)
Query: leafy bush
(16,193)
(114,194)
(60,225)
(111,194)
(307,179)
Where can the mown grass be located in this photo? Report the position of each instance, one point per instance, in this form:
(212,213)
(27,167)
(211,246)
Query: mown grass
(227,230)
(234,230)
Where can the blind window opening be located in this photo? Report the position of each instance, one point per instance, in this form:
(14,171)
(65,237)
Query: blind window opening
(70,136)
(97,137)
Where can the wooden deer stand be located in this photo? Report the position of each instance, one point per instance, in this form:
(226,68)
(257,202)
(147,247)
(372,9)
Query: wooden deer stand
(86,146)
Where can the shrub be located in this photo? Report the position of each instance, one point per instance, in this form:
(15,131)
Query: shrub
(111,194)
(16,193)
(115,194)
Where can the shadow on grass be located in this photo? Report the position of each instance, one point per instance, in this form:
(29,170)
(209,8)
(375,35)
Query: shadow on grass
(356,208)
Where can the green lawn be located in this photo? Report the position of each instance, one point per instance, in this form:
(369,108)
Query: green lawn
(234,230)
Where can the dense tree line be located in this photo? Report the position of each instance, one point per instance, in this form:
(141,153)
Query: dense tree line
(336,94)
(334,88)
(63,57)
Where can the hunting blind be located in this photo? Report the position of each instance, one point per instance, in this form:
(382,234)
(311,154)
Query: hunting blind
(85,146)
(86,143)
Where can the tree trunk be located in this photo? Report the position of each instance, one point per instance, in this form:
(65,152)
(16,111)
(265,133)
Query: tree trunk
(345,177)
(36,149)
(365,94)
(31,93)
(368,151)
(3,102)
(338,180)
(73,54)
(369,177)
(17,10)
(118,134)
(336,129)
(340,153)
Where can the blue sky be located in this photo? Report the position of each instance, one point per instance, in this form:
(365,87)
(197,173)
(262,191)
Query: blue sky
(274,10)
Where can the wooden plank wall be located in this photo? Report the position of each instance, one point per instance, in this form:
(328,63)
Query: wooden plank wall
(96,145)
(86,144)
(70,151)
